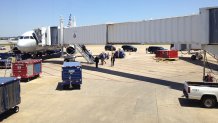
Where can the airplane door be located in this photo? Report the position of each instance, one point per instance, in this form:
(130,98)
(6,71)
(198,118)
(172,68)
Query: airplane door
(35,37)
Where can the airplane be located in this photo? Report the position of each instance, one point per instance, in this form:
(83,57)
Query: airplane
(32,45)
(42,41)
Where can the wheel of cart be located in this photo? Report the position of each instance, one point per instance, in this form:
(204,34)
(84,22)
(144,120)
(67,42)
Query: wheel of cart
(76,86)
(16,109)
(68,86)
(65,86)
(37,76)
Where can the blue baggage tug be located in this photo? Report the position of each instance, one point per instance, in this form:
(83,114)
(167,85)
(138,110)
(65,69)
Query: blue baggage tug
(71,75)
(9,94)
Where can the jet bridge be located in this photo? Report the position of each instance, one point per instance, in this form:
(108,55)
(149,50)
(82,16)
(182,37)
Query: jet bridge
(200,29)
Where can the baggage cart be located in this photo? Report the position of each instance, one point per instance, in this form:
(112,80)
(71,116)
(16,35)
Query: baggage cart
(166,54)
(27,69)
(5,60)
(5,63)
(9,94)
(71,74)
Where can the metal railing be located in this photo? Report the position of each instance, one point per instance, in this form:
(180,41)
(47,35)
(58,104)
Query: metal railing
(85,53)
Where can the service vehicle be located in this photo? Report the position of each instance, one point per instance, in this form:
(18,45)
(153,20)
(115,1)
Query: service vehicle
(109,47)
(206,92)
(129,48)
(154,49)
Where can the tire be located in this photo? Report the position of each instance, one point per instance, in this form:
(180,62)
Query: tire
(65,87)
(77,86)
(66,60)
(16,109)
(209,102)
(193,57)
(200,57)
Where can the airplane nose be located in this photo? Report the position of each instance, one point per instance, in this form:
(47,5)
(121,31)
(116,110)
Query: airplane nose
(26,45)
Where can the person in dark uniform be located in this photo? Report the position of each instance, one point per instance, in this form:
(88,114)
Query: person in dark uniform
(96,61)
(83,48)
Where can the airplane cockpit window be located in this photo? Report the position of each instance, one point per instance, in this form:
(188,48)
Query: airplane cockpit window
(21,37)
(31,37)
(26,37)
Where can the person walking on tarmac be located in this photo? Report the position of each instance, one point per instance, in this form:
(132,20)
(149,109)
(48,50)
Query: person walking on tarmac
(96,61)
(112,59)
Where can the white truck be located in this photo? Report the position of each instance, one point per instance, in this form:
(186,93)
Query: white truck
(207,92)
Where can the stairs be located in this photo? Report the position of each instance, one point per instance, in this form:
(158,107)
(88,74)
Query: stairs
(85,53)
(212,50)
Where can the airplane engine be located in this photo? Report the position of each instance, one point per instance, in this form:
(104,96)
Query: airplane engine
(70,50)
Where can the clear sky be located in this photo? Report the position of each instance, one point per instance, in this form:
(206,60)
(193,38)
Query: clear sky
(18,16)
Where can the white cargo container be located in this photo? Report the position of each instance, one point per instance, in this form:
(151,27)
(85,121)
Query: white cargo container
(95,34)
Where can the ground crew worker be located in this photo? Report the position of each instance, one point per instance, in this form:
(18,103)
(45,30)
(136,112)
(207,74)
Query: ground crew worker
(96,61)
(112,59)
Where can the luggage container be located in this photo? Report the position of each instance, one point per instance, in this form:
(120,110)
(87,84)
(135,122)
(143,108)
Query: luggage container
(71,74)
(5,55)
(119,54)
(9,94)
(5,60)
(167,54)
(27,69)
(5,63)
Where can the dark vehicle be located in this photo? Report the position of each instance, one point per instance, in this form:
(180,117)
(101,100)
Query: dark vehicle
(109,47)
(5,55)
(2,48)
(119,54)
(129,48)
(5,60)
(153,49)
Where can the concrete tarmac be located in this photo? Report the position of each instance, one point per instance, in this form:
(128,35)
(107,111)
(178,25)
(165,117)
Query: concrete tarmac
(138,89)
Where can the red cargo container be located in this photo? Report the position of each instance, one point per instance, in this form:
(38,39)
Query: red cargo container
(167,54)
(27,68)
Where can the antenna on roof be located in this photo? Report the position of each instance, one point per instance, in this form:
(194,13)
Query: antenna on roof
(70,22)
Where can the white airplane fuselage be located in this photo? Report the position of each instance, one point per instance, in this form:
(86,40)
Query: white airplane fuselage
(27,43)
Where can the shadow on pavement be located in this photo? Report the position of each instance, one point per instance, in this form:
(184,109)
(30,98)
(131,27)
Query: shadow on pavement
(54,62)
(171,84)
(200,63)
(189,103)
(60,87)
(56,55)
(6,114)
